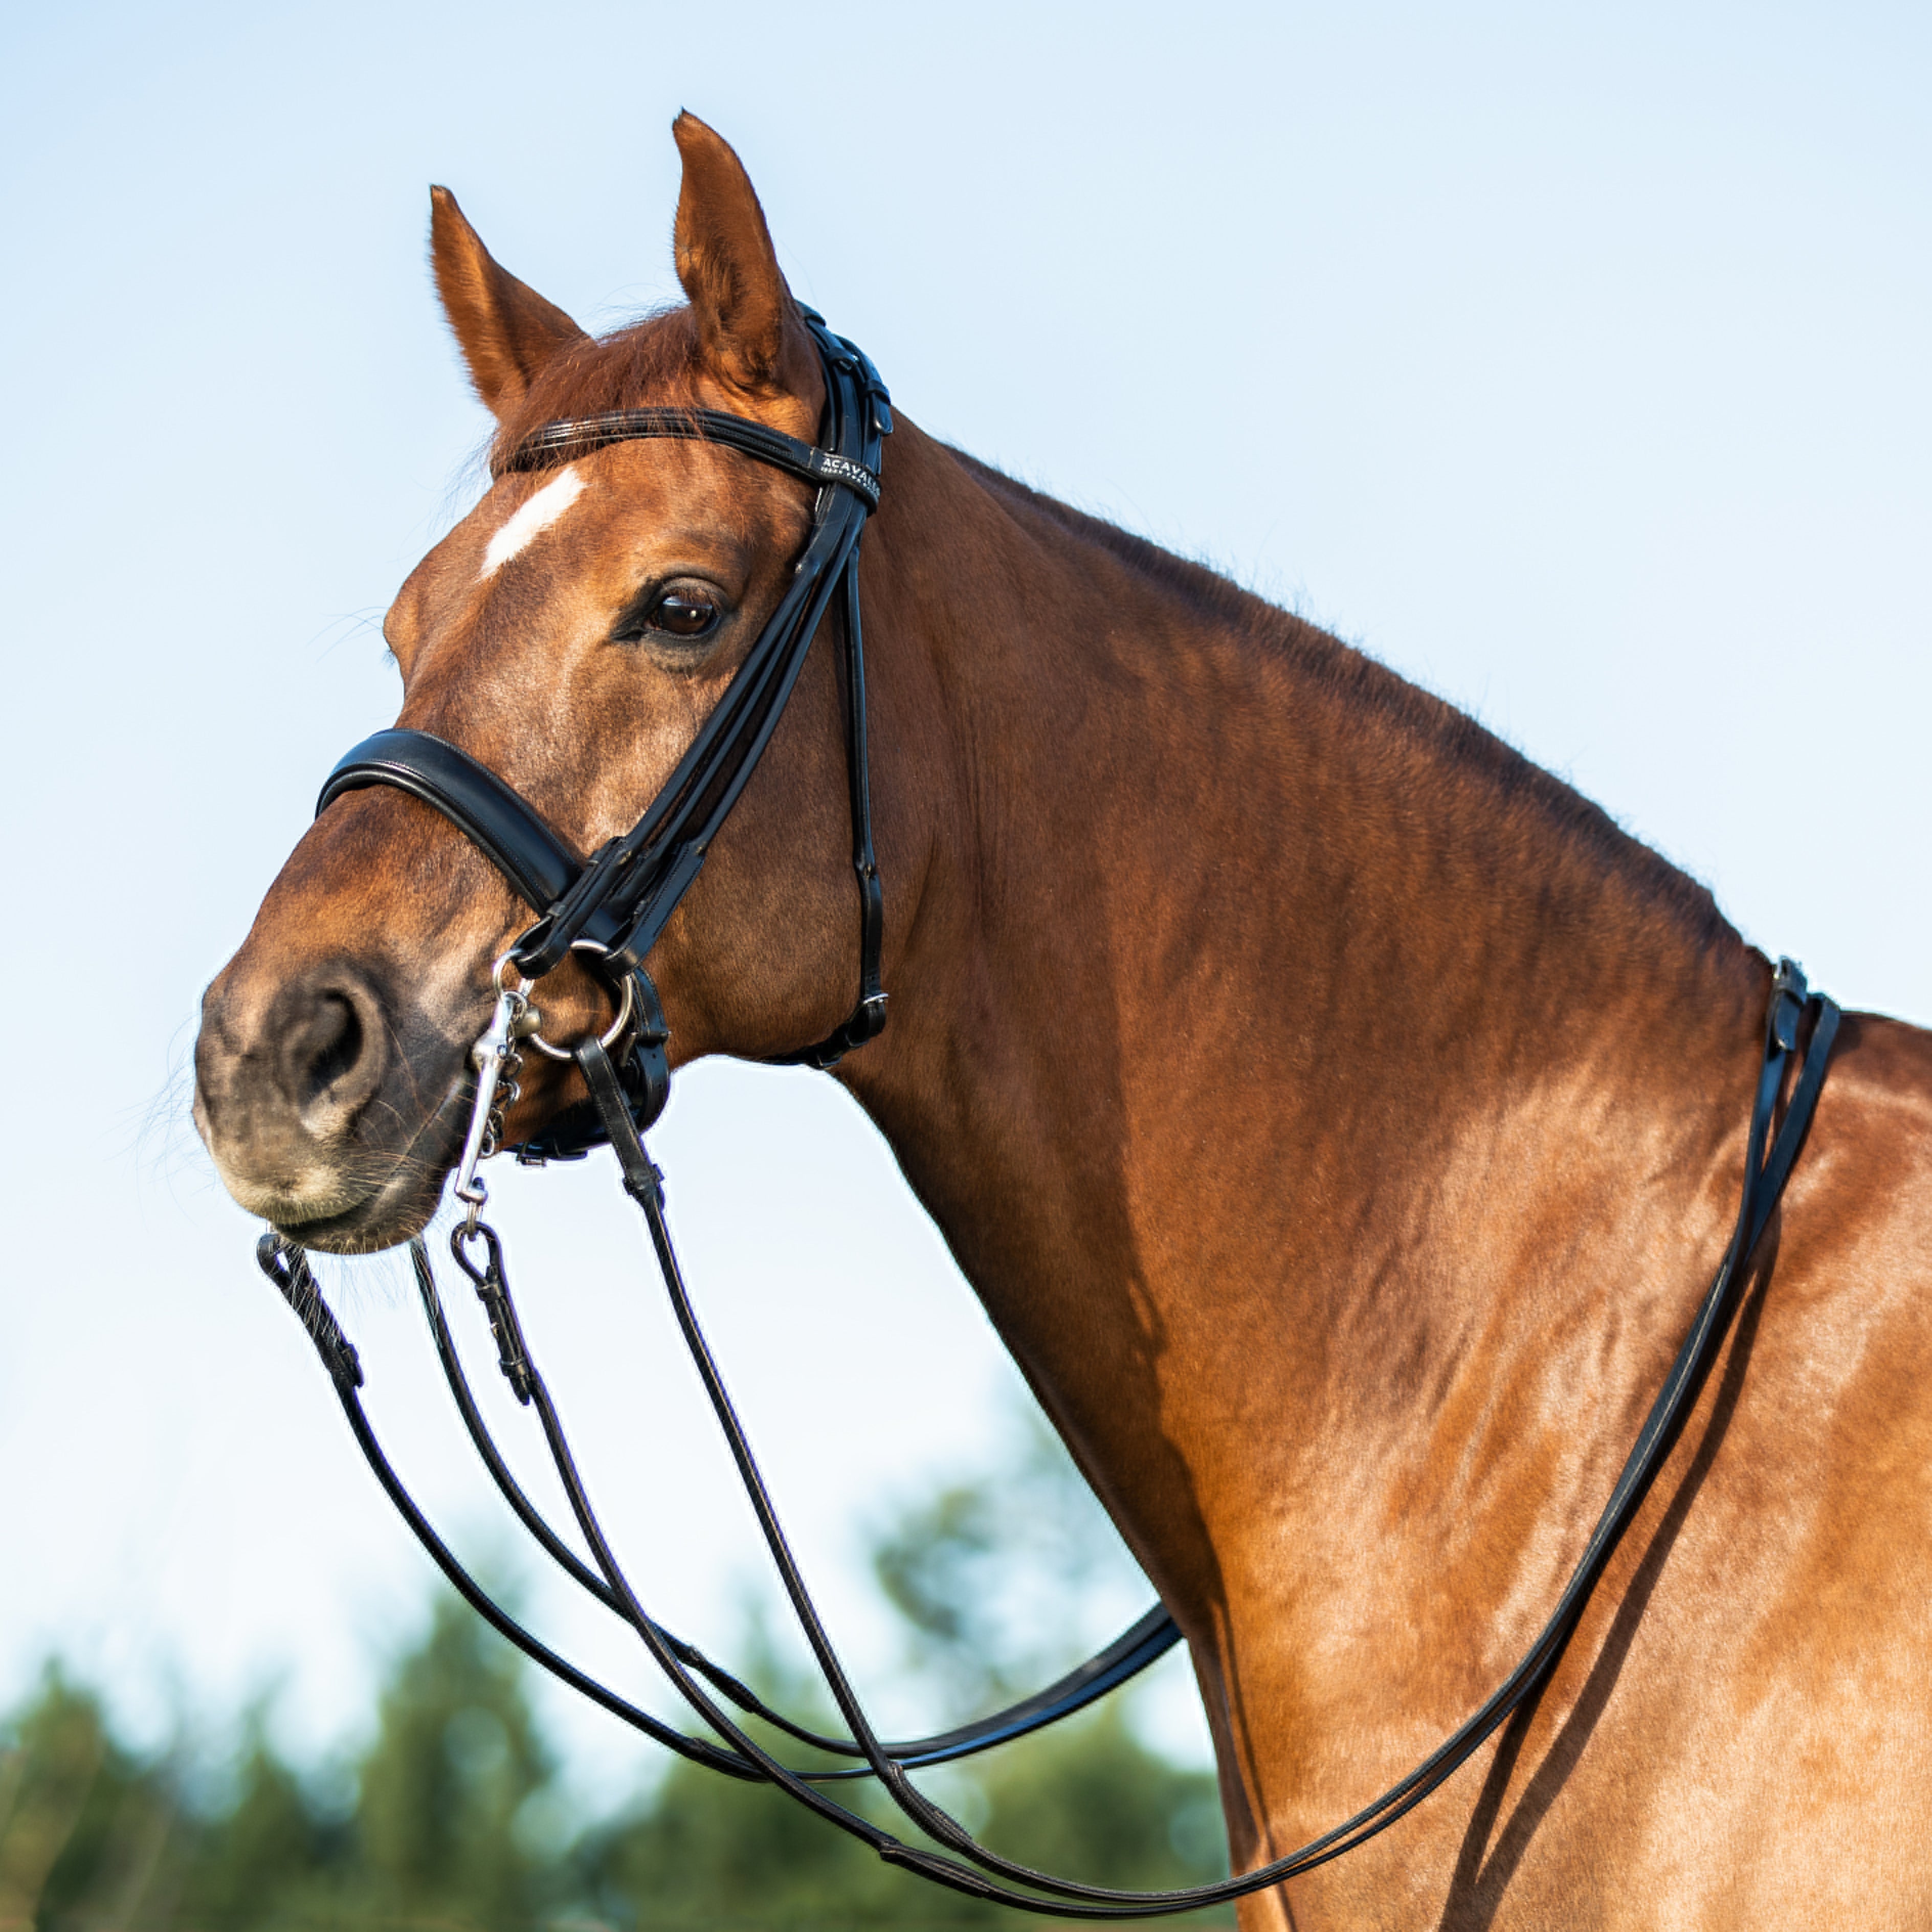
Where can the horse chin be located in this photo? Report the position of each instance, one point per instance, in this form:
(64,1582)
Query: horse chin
(395,1210)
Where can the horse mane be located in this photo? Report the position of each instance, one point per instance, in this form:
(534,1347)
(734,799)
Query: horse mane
(1371,692)
(657,357)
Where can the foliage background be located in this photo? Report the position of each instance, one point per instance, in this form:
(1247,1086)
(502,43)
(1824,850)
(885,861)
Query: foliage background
(451,1813)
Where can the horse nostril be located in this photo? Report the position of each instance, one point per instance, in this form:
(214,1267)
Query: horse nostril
(330,1054)
(335,1045)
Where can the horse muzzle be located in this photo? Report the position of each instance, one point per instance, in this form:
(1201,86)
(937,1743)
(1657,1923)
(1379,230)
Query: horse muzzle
(313,1105)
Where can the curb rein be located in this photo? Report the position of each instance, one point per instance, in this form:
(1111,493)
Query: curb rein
(609,910)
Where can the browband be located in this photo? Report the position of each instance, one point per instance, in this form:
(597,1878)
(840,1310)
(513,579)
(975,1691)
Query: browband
(583,435)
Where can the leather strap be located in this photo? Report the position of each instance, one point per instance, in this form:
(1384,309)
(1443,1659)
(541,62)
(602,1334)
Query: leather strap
(867,1019)
(287,1266)
(560,442)
(1152,1636)
(540,863)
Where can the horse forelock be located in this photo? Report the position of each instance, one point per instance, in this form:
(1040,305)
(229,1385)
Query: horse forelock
(657,359)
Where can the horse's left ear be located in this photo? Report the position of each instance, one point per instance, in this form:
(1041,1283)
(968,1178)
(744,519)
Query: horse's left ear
(746,319)
(506,331)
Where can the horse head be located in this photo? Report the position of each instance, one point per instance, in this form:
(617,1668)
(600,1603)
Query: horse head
(571,634)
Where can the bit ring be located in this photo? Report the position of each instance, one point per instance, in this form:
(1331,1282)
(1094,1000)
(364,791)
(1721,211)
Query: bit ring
(627,1006)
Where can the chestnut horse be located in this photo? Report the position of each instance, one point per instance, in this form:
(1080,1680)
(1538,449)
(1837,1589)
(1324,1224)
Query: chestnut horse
(1339,1117)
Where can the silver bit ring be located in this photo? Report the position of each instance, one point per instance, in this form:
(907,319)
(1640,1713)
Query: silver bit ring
(626,1006)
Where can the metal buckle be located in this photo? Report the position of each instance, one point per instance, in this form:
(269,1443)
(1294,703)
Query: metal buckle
(497,1064)
(492,1291)
(1788,995)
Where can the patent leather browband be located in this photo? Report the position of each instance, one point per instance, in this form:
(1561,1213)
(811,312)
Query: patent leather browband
(612,905)
(583,435)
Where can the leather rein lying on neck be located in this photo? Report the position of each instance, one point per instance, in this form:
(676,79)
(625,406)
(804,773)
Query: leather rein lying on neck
(610,909)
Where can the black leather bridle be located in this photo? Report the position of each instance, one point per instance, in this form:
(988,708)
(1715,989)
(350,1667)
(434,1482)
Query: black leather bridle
(611,908)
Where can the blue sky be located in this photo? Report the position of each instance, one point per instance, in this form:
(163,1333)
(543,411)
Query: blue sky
(1573,363)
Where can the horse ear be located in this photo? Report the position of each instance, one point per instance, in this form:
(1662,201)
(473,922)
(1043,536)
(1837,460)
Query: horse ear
(506,331)
(747,321)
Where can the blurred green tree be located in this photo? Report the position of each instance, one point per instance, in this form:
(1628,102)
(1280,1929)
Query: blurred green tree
(455,1759)
(266,1854)
(88,1835)
(439,1834)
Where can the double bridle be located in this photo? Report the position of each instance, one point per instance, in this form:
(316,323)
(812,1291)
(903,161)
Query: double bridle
(608,910)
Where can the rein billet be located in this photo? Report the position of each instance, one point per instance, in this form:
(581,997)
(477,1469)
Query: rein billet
(609,910)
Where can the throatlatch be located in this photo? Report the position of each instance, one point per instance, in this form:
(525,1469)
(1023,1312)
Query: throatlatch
(609,909)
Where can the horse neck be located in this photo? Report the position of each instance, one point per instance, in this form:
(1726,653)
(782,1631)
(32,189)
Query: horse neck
(1274,1048)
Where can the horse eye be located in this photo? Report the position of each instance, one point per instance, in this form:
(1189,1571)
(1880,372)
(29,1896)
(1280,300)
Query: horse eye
(682,614)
